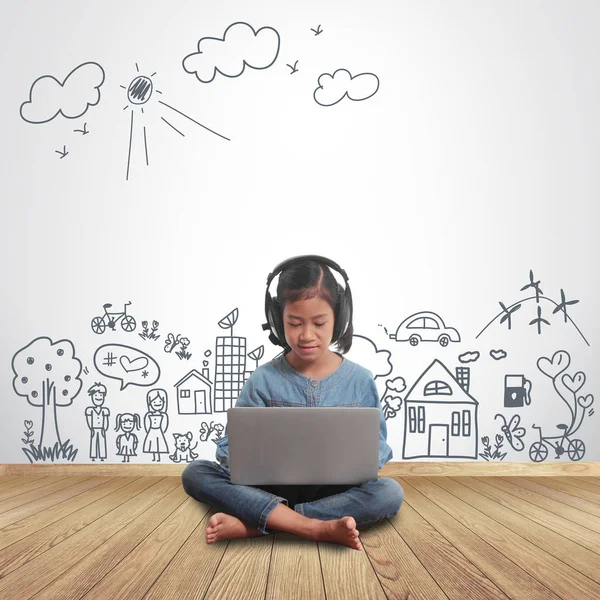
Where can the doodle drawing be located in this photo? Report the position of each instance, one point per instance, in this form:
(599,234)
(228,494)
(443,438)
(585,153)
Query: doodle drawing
(517,391)
(62,153)
(425,327)
(127,442)
(110,319)
(97,421)
(183,450)
(332,89)
(441,415)
(126,364)
(47,375)
(513,431)
(207,430)
(156,422)
(194,393)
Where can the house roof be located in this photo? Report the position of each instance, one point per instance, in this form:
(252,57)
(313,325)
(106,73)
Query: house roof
(193,373)
(437,371)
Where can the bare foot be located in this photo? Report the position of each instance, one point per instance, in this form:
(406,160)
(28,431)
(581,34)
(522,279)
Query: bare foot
(222,526)
(340,531)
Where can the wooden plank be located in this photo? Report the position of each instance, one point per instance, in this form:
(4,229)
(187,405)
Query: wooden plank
(244,570)
(502,571)
(584,483)
(564,549)
(126,564)
(23,551)
(559,577)
(571,495)
(399,571)
(36,505)
(52,485)
(195,556)
(390,469)
(17,531)
(9,482)
(295,569)
(593,480)
(36,574)
(455,574)
(548,512)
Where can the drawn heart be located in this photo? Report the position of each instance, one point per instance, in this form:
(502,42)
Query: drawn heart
(574,383)
(133,365)
(560,362)
(585,401)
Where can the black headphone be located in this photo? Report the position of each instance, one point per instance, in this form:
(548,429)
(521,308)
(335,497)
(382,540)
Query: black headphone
(274,313)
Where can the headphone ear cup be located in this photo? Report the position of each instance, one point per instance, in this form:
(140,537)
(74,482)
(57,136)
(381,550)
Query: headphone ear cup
(343,314)
(276,321)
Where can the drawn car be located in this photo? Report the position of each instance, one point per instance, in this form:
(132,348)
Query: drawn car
(425,327)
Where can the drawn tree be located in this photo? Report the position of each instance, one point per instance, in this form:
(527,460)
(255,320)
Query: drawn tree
(47,374)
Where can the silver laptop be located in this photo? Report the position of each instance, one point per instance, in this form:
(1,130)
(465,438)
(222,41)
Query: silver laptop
(303,445)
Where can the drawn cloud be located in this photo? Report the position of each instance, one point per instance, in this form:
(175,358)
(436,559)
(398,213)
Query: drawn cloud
(469,357)
(334,88)
(239,47)
(48,97)
(498,354)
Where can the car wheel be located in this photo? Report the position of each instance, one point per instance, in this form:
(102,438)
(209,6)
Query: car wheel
(414,340)
(444,340)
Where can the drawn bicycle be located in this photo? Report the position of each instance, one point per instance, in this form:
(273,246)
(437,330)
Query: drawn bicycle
(575,448)
(110,319)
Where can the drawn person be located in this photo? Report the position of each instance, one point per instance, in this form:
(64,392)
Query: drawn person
(156,422)
(127,442)
(97,421)
(310,312)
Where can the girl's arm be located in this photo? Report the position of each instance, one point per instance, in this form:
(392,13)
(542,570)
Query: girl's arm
(250,395)
(371,398)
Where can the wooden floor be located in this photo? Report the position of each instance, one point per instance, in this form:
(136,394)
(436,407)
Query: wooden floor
(455,537)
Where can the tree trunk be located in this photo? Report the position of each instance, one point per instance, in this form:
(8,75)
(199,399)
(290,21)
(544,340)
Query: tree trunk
(49,434)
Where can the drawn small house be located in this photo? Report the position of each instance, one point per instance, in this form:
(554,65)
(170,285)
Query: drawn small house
(194,393)
(441,416)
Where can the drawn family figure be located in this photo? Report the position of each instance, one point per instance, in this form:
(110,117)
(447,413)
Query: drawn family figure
(97,421)
(127,442)
(156,422)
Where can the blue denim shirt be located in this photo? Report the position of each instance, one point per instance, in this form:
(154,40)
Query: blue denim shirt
(277,383)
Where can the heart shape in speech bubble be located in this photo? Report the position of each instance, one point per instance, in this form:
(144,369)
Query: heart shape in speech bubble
(133,365)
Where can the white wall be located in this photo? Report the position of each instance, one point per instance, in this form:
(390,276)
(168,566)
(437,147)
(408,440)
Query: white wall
(473,163)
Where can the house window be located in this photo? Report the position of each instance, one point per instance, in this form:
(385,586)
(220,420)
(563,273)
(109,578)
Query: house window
(185,393)
(412,419)
(421,419)
(456,423)
(466,429)
(437,388)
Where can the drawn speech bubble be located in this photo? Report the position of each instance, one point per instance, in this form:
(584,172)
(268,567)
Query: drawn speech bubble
(128,365)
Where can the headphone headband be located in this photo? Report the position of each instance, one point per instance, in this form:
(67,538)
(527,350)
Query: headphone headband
(322,259)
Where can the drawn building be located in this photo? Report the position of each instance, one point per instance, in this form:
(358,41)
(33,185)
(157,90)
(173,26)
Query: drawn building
(230,371)
(441,416)
(194,393)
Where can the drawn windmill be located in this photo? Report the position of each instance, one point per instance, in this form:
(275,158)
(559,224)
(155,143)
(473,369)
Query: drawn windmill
(535,285)
(538,321)
(508,312)
(563,304)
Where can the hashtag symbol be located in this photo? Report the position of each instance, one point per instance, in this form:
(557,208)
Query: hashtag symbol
(109,361)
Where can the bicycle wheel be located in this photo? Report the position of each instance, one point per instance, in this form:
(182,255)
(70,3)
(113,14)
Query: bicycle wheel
(576,449)
(98,325)
(128,323)
(538,452)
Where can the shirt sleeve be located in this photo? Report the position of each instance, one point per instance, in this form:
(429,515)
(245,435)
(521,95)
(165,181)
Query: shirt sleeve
(248,396)
(371,398)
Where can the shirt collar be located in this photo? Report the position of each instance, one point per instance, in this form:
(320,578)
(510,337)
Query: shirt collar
(327,382)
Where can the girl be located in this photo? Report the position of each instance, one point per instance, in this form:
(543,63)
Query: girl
(127,442)
(156,422)
(310,312)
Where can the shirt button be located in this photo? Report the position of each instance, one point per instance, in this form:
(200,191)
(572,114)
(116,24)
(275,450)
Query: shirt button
(314,383)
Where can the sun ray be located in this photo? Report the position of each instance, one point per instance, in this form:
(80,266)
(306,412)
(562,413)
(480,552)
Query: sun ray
(145,145)
(129,152)
(192,120)
(137,68)
(175,128)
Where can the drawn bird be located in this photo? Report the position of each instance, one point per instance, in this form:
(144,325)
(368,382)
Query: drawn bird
(83,131)
(535,285)
(294,70)
(563,304)
(63,153)
(318,30)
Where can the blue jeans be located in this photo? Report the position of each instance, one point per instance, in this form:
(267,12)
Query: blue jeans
(209,482)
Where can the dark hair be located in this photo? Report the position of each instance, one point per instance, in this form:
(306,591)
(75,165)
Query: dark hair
(306,279)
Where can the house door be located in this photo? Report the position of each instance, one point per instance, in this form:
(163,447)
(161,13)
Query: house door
(200,400)
(438,440)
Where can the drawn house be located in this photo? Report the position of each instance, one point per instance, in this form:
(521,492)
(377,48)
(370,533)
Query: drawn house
(194,393)
(441,416)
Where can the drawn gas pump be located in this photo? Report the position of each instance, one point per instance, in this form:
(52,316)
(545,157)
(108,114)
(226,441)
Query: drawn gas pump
(517,391)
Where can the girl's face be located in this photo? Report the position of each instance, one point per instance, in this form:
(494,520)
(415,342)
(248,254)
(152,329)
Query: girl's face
(308,326)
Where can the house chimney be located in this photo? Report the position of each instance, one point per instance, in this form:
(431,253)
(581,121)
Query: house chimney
(205,373)
(463,377)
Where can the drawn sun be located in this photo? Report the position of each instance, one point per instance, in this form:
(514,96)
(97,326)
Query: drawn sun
(139,92)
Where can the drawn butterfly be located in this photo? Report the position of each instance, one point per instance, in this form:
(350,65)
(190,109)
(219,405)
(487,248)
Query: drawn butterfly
(170,342)
(512,431)
(205,430)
